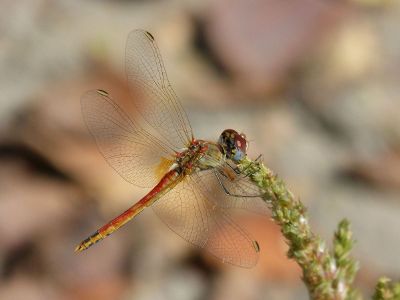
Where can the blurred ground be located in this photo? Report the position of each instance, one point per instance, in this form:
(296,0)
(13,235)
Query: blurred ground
(313,84)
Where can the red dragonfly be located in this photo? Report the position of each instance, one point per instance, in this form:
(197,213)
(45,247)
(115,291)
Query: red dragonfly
(194,182)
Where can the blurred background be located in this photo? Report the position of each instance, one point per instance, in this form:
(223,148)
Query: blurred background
(312,83)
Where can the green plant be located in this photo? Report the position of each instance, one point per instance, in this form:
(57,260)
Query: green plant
(327,273)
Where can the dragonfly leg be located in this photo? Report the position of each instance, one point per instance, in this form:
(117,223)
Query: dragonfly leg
(234,168)
(228,192)
(258,160)
(238,171)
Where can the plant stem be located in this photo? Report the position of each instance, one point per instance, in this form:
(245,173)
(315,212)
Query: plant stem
(327,274)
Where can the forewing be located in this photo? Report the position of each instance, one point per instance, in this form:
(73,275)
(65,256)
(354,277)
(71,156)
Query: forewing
(158,103)
(127,147)
(188,212)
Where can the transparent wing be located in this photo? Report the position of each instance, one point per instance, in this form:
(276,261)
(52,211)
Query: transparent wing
(188,212)
(130,150)
(242,192)
(158,103)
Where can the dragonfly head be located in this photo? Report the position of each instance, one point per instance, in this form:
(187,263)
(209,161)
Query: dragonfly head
(233,144)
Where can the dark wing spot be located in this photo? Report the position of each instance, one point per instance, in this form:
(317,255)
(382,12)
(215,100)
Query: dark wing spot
(103,93)
(256,246)
(150,36)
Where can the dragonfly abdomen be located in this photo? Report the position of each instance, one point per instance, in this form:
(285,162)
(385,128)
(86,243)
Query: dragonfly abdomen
(91,240)
(169,181)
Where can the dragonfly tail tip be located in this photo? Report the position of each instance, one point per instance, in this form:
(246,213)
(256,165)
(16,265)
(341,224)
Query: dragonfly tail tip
(79,248)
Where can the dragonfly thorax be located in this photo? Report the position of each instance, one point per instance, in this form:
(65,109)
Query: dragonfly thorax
(200,155)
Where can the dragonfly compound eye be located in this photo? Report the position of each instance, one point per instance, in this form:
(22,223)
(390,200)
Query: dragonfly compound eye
(233,144)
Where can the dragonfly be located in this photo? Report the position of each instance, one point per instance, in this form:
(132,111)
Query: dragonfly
(194,183)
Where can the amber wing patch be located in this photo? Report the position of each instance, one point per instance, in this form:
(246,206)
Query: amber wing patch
(163,167)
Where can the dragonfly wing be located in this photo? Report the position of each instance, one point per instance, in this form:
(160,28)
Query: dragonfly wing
(159,104)
(188,212)
(243,193)
(128,148)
